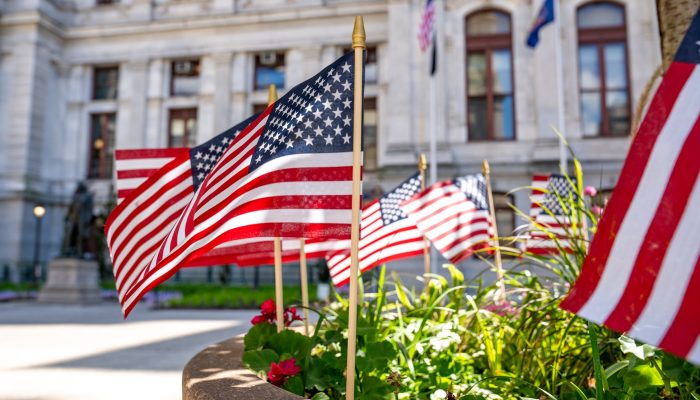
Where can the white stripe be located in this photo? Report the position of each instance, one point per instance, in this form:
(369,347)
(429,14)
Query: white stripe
(694,354)
(129,183)
(646,201)
(141,163)
(392,251)
(672,281)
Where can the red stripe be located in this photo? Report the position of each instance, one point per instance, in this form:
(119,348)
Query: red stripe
(123,193)
(384,261)
(381,260)
(683,332)
(364,246)
(135,173)
(635,164)
(135,154)
(446,216)
(469,251)
(426,192)
(658,237)
(464,238)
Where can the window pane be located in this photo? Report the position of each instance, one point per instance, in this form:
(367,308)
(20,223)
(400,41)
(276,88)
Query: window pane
(503,117)
(476,66)
(488,23)
(477,119)
(266,76)
(600,15)
(588,67)
(618,112)
(102,133)
(371,67)
(501,72)
(177,132)
(191,131)
(369,134)
(615,66)
(105,83)
(590,113)
(185,77)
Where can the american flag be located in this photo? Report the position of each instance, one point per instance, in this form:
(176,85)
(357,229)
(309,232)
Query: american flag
(425,31)
(642,272)
(138,225)
(385,234)
(288,174)
(453,215)
(547,213)
(134,166)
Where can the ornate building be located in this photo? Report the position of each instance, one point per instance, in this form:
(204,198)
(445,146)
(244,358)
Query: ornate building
(80,78)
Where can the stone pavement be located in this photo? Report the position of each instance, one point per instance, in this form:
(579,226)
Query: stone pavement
(56,352)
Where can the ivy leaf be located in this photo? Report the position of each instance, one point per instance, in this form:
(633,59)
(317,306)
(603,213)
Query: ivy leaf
(292,343)
(294,385)
(258,335)
(629,346)
(642,376)
(259,360)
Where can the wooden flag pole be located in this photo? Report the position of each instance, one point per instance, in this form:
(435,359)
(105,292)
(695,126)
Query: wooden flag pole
(358,45)
(422,165)
(304,285)
(499,265)
(279,294)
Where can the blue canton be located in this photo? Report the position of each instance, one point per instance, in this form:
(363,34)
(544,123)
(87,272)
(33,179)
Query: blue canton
(313,117)
(206,155)
(474,186)
(389,203)
(558,188)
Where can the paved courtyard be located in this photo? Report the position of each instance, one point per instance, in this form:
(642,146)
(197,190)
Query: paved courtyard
(56,352)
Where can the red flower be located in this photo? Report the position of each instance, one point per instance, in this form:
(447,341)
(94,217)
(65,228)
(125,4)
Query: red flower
(268,313)
(279,373)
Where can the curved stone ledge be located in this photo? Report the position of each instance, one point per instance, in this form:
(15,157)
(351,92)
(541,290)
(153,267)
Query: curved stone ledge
(217,373)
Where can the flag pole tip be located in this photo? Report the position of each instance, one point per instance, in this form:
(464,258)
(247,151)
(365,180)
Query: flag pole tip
(485,167)
(271,94)
(358,33)
(422,162)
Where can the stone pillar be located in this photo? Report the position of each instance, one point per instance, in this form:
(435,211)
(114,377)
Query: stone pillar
(222,92)
(71,281)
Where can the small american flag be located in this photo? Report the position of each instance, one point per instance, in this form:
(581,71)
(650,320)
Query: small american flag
(453,215)
(547,213)
(642,274)
(288,174)
(141,221)
(385,234)
(425,31)
(134,166)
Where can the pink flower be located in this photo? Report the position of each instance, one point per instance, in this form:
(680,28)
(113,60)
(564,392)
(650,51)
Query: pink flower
(268,313)
(279,373)
(590,191)
(502,308)
(597,211)
(268,307)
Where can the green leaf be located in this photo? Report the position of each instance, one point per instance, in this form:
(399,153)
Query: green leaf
(290,342)
(613,369)
(258,335)
(373,388)
(294,385)
(629,346)
(642,376)
(259,360)
(320,396)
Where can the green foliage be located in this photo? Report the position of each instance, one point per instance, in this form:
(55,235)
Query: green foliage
(478,340)
(200,295)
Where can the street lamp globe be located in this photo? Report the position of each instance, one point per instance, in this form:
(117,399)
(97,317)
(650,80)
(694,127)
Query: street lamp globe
(39,211)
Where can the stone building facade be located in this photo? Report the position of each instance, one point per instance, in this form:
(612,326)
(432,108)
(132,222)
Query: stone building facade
(80,78)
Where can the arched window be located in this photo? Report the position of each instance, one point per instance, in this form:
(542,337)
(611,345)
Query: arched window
(490,102)
(603,77)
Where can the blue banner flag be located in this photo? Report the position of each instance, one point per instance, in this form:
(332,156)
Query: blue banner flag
(545,16)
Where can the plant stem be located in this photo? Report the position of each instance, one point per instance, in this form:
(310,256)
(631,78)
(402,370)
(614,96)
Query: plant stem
(667,382)
(597,369)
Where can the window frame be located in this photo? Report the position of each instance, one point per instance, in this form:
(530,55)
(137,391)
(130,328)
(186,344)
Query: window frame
(105,169)
(95,69)
(257,64)
(600,37)
(198,74)
(509,200)
(487,44)
(180,112)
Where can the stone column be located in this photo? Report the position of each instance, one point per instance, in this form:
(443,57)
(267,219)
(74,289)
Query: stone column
(222,92)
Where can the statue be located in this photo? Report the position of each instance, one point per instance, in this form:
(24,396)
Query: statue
(78,225)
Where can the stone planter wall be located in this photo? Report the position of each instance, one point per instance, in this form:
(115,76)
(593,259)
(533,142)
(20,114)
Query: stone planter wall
(217,373)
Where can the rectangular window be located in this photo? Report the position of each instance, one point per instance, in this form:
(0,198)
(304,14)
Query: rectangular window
(505,216)
(371,63)
(105,81)
(182,127)
(184,78)
(102,133)
(269,70)
(369,134)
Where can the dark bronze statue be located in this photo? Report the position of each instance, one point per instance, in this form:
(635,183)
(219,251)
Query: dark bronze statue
(78,225)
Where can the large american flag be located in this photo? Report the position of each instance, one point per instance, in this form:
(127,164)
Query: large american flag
(453,215)
(549,191)
(642,273)
(425,30)
(385,234)
(288,174)
(134,166)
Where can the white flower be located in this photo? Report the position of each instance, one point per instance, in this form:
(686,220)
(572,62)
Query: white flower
(443,340)
(439,395)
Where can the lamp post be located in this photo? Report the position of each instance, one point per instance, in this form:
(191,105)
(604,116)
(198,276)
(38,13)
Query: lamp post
(39,212)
